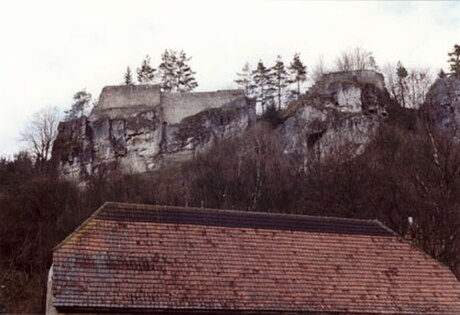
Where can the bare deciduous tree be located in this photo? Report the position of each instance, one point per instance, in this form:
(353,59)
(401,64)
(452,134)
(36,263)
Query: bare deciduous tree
(418,83)
(356,59)
(40,132)
(429,172)
(415,85)
(319,69)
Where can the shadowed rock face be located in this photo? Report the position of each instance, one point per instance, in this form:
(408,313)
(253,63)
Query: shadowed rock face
(443,102)
(136,129)
(340,112)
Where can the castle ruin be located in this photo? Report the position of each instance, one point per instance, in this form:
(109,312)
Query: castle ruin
(139,128)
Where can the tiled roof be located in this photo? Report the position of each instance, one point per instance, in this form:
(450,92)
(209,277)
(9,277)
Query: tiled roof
(143,258)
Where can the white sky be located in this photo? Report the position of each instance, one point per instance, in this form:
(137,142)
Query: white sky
(51,49)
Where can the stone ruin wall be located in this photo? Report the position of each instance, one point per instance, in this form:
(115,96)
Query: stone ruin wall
(177,106)
(129,95)
(361,76)
(138,128)
(345,88)
(121,101)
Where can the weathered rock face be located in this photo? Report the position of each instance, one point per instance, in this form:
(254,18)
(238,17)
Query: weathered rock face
(136,129)
(341,111)
(139,129)
(443,102)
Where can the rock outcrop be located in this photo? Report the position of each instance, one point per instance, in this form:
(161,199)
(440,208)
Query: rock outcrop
(443,102)
(136,129)
(341,111)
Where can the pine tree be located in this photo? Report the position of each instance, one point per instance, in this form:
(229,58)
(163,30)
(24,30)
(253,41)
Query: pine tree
(128,78)
(298,72)
(79,106)
(244,80)
(402,73)
(262,83)
(176,74)
(168,70)
(280,79)
(145,73)
(184,73)
(454,60)
(372,64)
(441,73)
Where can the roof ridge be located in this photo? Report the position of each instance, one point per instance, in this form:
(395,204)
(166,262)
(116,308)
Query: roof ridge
(301,219)
(243,219)
(386,227)
(245,212)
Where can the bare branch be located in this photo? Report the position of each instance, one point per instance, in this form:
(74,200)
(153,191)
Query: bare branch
(40,133)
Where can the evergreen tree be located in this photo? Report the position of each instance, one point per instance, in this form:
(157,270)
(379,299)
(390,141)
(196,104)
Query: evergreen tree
(372,64)
(145,73)
(454,60)
(279,78)
(402,73)
(244,80)
(79,106)
(168,70)
(298,73)
(176,75)
(262,83)
(441,73)
(184,73)
(128,78)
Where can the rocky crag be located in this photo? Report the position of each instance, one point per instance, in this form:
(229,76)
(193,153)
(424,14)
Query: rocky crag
(443,103)
(137,129)
(340,112)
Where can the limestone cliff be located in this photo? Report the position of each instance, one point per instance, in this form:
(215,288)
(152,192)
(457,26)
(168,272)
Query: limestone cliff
(443,102)
(341,111)
(136,129)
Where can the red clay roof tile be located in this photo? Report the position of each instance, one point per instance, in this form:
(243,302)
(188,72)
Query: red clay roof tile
(138,257)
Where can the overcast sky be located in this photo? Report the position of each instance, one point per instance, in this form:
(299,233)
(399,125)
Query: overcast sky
(51,49)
